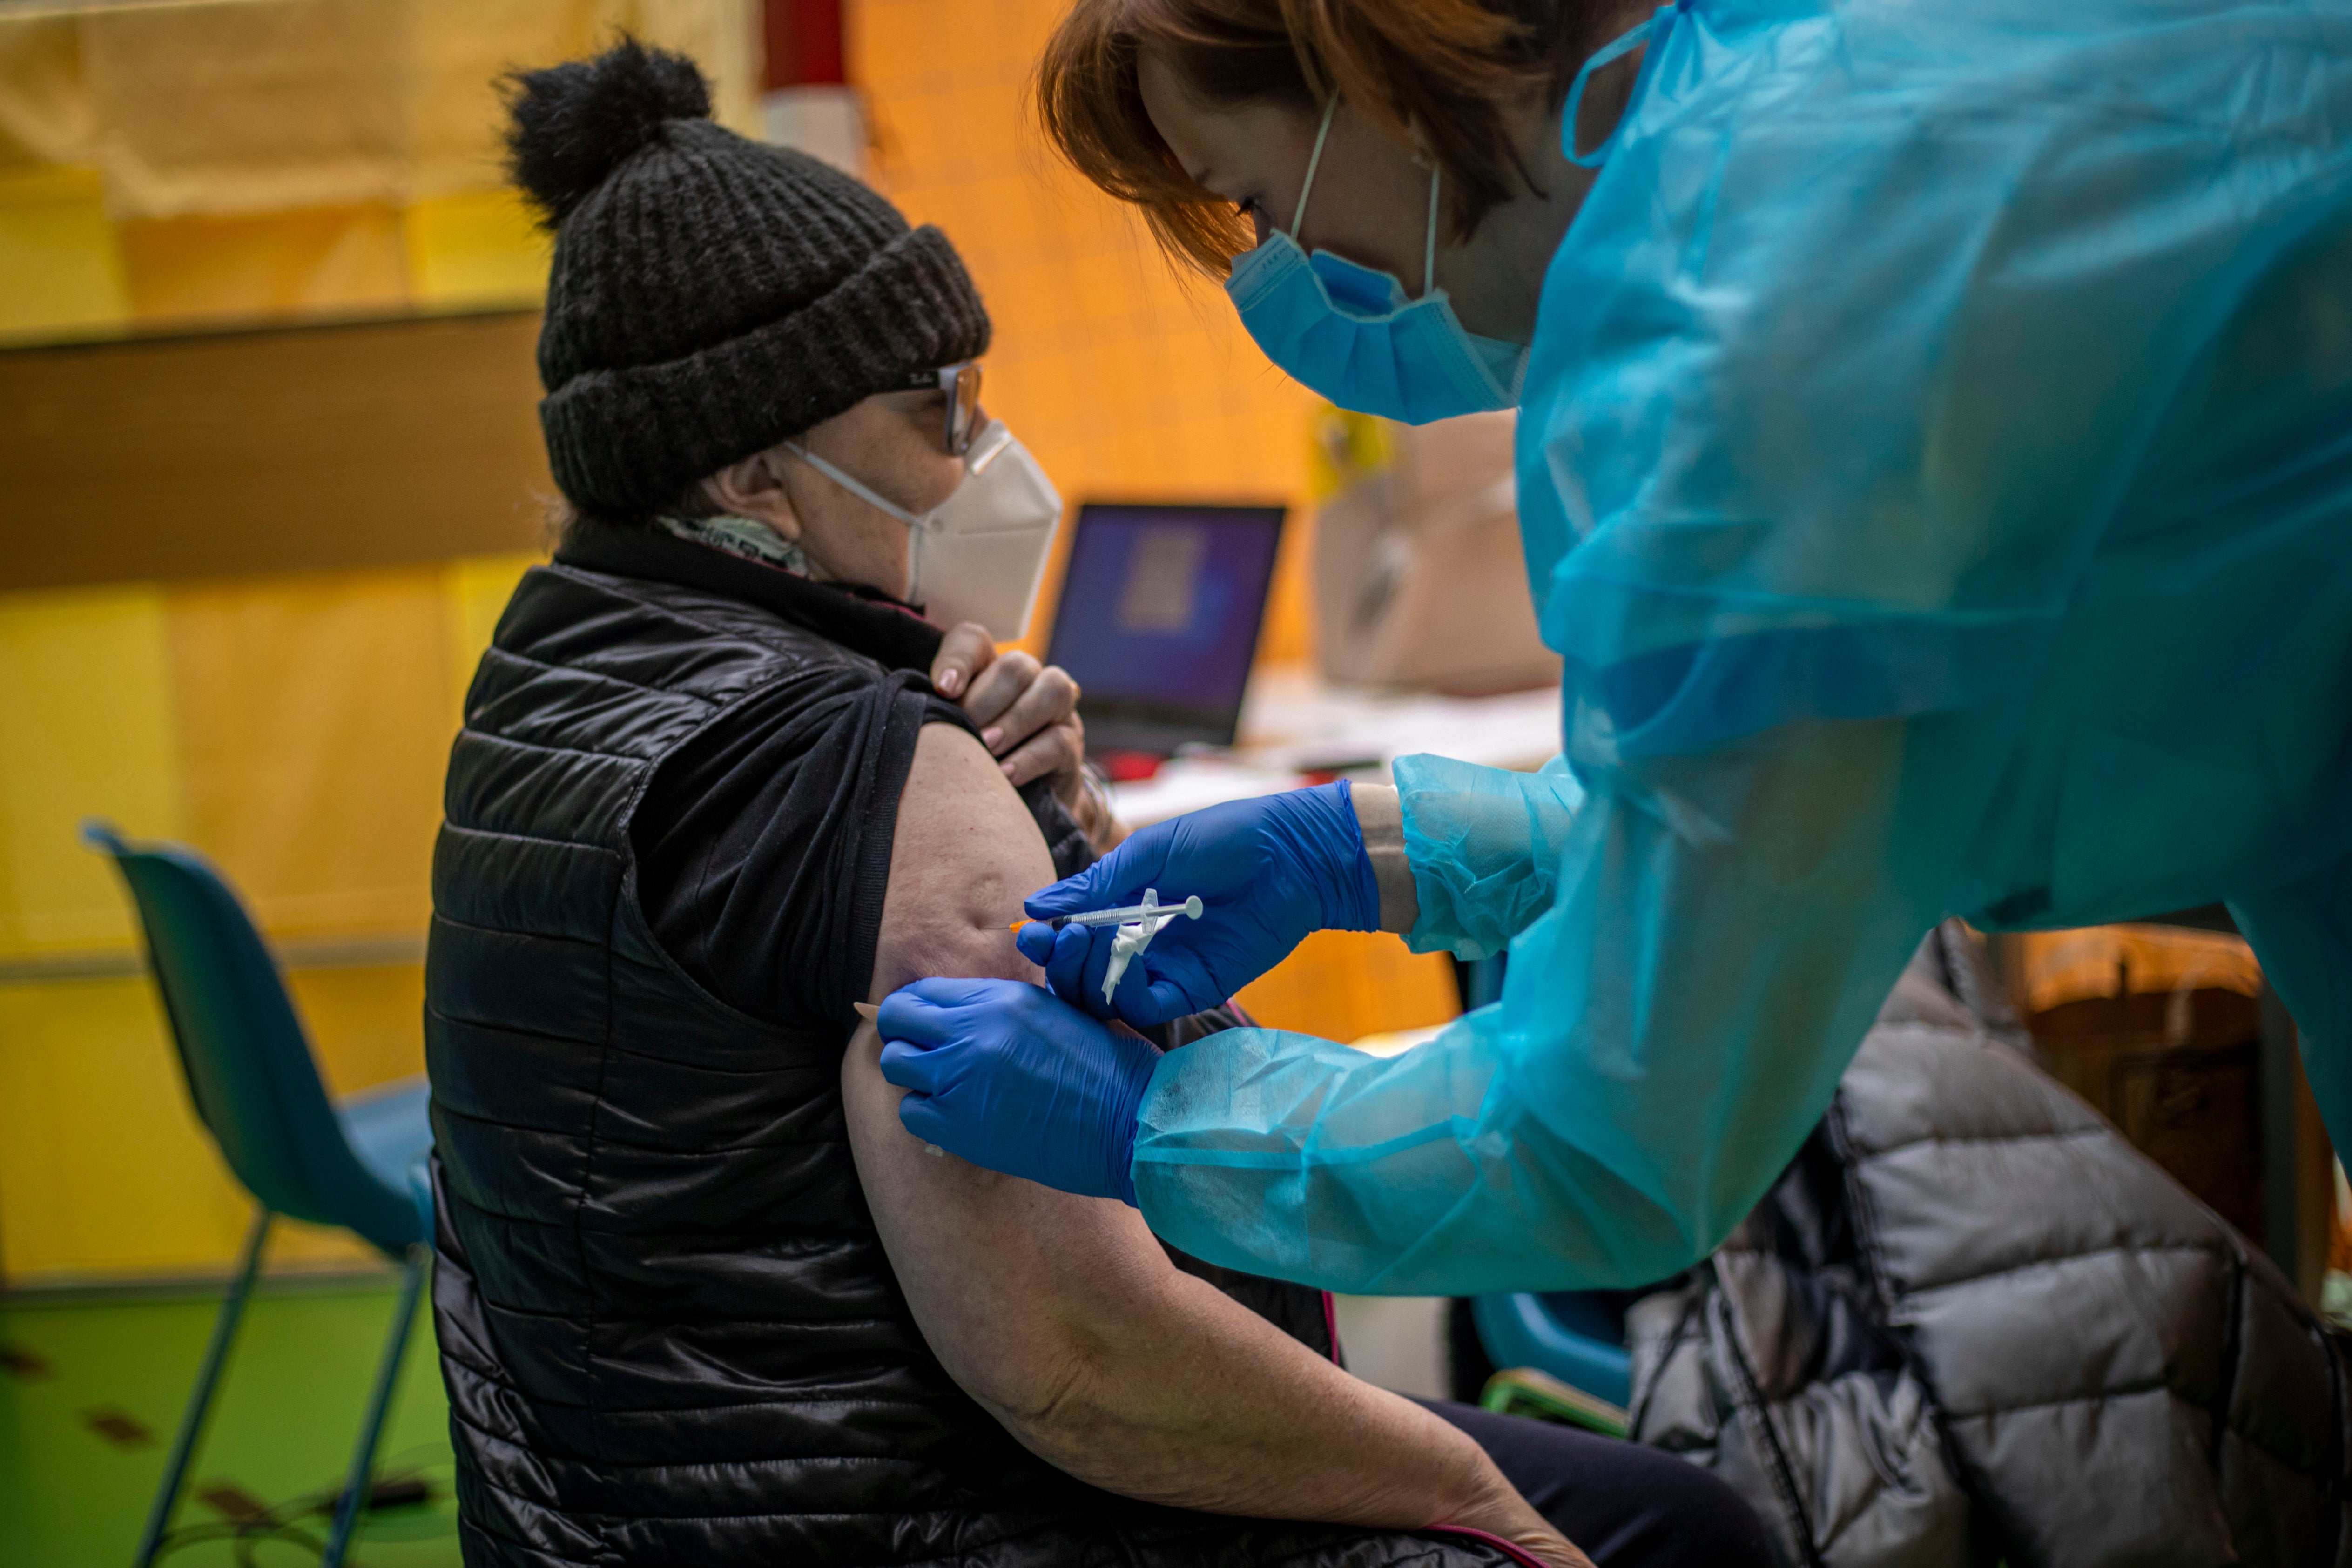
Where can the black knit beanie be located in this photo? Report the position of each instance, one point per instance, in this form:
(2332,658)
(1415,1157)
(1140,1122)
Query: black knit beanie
(711,294)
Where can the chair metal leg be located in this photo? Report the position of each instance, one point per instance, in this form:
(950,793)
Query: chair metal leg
(387,1373)
(200,1401)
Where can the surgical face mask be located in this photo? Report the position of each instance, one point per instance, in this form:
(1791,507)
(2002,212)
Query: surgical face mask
(1351,333)
(980,554)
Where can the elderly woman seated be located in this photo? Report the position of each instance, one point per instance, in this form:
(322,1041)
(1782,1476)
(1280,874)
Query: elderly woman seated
(700,1298)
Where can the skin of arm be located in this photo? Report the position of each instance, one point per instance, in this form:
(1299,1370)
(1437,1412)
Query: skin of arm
(1061,1315)
(1379,817)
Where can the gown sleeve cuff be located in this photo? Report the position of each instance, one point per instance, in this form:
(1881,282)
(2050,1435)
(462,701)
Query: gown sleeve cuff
(1484,844)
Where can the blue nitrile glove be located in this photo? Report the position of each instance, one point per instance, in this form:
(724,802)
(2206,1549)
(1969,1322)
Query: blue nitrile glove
(1002,1074)
(1268,872)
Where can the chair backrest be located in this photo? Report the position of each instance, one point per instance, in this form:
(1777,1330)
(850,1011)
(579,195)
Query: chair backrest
(248,1064)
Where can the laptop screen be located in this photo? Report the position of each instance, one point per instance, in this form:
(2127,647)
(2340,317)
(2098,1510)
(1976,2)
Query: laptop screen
(1159,619)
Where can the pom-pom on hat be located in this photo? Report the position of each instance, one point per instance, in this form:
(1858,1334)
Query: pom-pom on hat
(711,294)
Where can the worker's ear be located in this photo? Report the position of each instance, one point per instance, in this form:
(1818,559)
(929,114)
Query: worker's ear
(754,488)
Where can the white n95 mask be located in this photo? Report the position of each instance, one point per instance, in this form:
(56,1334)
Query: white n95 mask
(980,554)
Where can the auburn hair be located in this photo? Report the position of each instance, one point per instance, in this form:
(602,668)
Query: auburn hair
(1439,72)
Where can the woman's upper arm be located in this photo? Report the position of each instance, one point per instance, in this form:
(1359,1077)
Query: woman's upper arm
(989,1263)
(1061,1315)
(965,853)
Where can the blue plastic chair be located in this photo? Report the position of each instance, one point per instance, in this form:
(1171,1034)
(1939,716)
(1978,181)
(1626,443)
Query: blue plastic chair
(359,1165)
(1577,1338)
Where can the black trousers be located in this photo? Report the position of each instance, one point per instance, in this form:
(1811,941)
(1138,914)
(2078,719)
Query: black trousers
(1627,1506)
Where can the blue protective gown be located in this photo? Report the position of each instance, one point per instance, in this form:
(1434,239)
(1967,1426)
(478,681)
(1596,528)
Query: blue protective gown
(1936,471)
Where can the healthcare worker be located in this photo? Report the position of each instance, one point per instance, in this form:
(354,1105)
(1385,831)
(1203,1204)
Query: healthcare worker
(1935,466)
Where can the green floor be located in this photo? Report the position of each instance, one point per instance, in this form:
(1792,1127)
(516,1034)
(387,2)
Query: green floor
(73,1372)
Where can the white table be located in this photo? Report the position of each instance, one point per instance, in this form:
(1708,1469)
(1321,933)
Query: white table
(1294,723)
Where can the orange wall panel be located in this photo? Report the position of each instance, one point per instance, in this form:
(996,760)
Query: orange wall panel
(1344,985)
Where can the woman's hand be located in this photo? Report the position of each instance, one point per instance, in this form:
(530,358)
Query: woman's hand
(1008,1076)
(1545,1544)
(1502,1511)
(1028,718)
(1269,871)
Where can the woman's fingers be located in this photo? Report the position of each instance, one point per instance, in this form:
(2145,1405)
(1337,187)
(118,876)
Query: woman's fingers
(1050,698)
(964,653)
(1001,685)
(1058,750)
(923,1118)
(1134,996)
(925,1011)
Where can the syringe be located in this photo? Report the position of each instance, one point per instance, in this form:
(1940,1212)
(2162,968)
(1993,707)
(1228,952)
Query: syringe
(1161,913)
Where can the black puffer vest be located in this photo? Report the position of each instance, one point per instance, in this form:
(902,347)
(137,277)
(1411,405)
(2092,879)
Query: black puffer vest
(667,1327)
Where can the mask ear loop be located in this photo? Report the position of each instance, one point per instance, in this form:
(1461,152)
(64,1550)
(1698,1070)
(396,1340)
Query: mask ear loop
(1429,248)
(1616,49)
(859,489)
(1313,161)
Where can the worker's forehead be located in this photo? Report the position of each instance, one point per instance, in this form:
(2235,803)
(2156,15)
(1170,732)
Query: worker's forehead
(1222,146)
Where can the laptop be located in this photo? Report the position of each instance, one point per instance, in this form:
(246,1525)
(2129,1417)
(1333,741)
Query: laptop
(1159,620)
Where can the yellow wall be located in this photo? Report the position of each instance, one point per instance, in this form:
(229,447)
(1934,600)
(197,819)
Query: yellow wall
(307,710)
(256,158)
(61,269)
(85,729)
(243,160)
(294,730)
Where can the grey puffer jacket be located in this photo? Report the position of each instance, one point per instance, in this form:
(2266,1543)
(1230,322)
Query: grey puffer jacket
(1971,1324)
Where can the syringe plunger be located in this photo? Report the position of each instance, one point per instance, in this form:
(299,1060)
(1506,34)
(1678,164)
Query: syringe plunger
(1133,912)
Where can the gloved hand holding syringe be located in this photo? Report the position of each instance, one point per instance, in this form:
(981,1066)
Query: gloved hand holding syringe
(995,1067)
(1266,872)
(1138,924)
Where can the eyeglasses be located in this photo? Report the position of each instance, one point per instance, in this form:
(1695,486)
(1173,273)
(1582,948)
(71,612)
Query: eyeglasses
(959,384)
